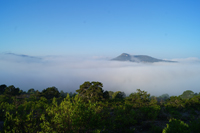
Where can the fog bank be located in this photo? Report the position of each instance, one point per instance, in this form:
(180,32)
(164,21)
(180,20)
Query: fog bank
(68,73)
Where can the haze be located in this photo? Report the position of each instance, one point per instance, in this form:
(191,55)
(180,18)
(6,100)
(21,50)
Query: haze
(69,73)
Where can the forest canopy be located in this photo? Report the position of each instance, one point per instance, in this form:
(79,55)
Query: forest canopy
(94,110)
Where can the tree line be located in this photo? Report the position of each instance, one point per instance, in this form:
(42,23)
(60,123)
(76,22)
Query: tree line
(93,110)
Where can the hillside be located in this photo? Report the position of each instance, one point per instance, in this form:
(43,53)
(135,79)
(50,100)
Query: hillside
(138,58)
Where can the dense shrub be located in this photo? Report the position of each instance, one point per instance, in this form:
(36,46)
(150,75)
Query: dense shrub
(71,116)
(176,126)
(25,118)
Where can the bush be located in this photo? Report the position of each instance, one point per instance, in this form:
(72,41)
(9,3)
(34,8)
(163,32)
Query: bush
(72,115)
(176,126)
(195,126)
(155,129)
(25,118)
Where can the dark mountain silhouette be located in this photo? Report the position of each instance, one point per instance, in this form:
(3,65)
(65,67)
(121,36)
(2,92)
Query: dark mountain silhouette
(23,55)
(21,58)
(138,58)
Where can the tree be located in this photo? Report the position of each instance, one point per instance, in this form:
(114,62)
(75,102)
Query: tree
(187,94)
(106,95)
(118,95)
(50,92)
(110,94)
(176,126)
(22,92)
(11,91)
(141,98)
(2,88)
(72,94)
(164,96)
(92,91)
(31,91)
(62,94)
(140,95)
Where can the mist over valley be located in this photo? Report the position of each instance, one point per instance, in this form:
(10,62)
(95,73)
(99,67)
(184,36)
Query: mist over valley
(68,73)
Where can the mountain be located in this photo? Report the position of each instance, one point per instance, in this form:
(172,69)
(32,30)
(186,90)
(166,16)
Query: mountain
(24,56)
(138,58)
(20,58)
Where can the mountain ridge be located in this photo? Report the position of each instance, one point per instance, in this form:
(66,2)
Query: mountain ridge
(138,58)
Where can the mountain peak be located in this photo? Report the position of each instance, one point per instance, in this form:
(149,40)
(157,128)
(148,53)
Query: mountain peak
(124,54)
(138,58)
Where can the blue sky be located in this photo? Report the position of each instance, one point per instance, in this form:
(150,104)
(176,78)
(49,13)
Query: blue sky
(159,28)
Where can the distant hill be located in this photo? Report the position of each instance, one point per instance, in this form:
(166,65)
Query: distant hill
(138,58)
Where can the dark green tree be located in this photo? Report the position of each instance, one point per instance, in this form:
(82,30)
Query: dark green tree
(106,95)
(11,91)
(118,95)
(72,94)
(110,94)
(187,94)
(31,91)
(176,126)
(139,98)
(62,94)
(22,92)
(50,92)
(164,96)
(92,91)
(2,88)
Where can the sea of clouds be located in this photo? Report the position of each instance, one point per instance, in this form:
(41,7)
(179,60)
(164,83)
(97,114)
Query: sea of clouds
(68,73)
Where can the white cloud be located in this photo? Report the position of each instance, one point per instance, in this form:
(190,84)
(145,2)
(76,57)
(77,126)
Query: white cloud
(68,73)
(188,60)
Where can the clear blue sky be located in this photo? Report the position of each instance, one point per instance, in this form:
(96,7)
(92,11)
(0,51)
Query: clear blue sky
(159,28)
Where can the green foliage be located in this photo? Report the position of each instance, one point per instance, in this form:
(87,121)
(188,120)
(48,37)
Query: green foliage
(92,92)
(50,93)
(164,96)
(6,107)
(4,98)
(110,94)
(25,118)
(20,123)
(148,113)
(175,105)
(2,88)
(71,116)
(63,94)
(187,94)
(155,129)
(193,102)
(148,109)
(123,119)
(31,91)
(118,95)
(139,99)
(195,126)
(11,91)
(176,126)
(93,111)
(175,102)
(106,95)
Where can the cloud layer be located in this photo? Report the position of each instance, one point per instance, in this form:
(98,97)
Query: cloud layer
(68,73)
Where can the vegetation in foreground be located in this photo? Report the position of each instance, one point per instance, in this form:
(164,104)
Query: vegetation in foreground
(93,110)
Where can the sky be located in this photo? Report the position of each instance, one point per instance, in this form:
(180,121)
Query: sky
(159,28)
(63,43)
